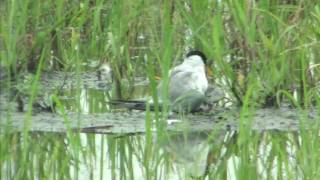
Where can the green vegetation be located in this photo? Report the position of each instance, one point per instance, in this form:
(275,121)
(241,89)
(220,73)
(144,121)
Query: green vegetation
(262,53)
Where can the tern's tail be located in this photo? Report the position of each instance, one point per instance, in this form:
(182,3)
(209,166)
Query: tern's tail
(133,104)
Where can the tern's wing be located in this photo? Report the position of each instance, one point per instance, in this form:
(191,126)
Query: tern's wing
(178,69)
(180,82)
(183,91)
(173,72)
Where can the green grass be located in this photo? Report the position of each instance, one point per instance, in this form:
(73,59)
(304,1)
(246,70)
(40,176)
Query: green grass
(263,54)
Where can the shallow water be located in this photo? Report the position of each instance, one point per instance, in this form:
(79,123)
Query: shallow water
(173,156)
(152,155)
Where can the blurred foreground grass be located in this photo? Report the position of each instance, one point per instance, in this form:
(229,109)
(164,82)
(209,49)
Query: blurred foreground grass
(263,53)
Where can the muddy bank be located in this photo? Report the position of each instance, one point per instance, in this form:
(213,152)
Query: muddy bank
(283,119)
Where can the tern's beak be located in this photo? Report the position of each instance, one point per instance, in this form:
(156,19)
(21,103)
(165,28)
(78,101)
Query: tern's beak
(209,72)
(157,78)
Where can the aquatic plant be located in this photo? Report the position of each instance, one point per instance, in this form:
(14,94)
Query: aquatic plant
(262,53)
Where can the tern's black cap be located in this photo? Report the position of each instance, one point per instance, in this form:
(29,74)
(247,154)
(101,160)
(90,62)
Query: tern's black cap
(198,53)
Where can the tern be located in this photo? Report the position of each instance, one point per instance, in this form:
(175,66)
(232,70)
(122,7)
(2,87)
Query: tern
(187,85)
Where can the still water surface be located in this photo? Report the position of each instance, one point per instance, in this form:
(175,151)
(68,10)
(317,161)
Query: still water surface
(164,155)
